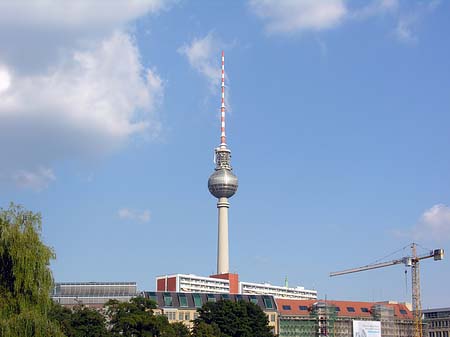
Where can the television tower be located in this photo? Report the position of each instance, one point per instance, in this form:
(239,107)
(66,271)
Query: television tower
(222,184)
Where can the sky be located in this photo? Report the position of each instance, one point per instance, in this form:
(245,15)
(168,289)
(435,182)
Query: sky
(338,117)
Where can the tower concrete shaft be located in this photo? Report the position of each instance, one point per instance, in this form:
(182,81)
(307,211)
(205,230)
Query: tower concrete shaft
(223,262)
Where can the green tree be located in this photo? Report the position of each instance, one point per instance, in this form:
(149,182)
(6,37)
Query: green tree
(232,319)
(62,316)
(25,276)
(202,329)
(180,330)
(81,321)
(135,318)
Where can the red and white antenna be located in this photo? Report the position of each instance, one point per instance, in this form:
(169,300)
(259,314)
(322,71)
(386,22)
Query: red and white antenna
(223,142)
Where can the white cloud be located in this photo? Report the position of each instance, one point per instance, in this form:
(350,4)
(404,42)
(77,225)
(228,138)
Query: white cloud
(376,7)
(83,93)
(36,180)
(80,13)
(5,79)
(404,29)
(130,214)
(434,224)
(88,105)
(299,15)
(203,55)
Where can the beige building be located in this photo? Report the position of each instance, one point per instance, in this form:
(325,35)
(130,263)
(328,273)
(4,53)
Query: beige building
(182,307)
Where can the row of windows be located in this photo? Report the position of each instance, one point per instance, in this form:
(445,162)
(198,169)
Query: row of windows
(186,316)
(439,324)
(305,308)
(439,334)
(338,309)
(182,315)
(198,302)
(441,314)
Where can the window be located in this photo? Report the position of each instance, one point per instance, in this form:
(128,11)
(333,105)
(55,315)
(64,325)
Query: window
(180,316)
(187,316)
(197,300)
(272,319)
(195,315)
(337,309)
(267,302)
(253,299)
(303,307)
(239,298)
(364,310)
(403,311)
(350,309)
(286,307)
(225,296)
(167,299)
(183,300)
(211,298)
(152,296)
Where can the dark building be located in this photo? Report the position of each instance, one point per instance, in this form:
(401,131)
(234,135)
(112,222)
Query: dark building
(436,322)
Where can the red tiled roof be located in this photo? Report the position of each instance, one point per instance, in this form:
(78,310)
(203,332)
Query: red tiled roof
(284,304)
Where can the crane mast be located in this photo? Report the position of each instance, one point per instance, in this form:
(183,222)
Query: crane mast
(412,261)
(416,300)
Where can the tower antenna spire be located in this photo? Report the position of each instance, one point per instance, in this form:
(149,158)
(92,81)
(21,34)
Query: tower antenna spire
(223,141)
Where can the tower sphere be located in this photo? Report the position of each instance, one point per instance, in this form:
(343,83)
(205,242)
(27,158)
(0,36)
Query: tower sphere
(222,183)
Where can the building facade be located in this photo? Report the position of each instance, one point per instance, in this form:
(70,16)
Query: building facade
(192,284)
(277,291)
(182,307)
(92,294)
(436,322)
(310,318)
(228,284)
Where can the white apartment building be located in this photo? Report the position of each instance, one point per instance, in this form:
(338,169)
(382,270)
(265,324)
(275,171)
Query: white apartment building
(190,283)
(299,293)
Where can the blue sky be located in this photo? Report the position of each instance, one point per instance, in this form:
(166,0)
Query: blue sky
(338,124)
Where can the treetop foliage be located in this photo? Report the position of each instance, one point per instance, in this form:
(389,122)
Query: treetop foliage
(231,319)
(25,276)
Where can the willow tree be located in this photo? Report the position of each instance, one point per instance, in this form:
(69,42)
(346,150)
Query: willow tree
(25,276)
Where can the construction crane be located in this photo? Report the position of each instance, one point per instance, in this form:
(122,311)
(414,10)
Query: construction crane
(409,261)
